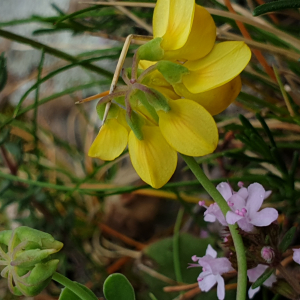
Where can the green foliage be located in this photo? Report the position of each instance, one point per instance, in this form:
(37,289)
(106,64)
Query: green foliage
(287,239)
(274,6)
(117,287)
(263,278)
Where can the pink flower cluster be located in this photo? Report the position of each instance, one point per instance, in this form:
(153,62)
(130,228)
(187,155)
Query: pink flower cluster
(245,210)
(245,207)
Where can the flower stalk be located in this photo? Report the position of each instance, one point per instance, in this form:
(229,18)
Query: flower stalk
(237,239)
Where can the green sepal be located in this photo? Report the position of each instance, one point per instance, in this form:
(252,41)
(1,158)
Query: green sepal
(67,294)
(135,123)
(158,100)
(3,71)
(5,236)
(112,113)
(29,258)
(128,71)
(263,278)
(172,72)
(151,51)
(287,239)
(45,240)
(42,271)
(117,287)
(139,96)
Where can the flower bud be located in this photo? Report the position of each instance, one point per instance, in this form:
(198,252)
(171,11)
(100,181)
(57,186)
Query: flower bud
(267,253)
(26,256)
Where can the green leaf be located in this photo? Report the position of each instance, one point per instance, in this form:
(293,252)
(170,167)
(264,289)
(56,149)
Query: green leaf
(262,278)
(67,294)
(117,287)
(287,239)
(275,5)
(3,71)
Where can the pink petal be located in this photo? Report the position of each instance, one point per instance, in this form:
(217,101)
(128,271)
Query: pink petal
(225,190)
(209,217)
(254,273)
(238,201)
(252,292)
(220,266)
(296,255)
(267,194)
(207,282)
(220,288)
(255,198)
(264,217)
(245,225)
(210,251)
(243,192)
(232,218)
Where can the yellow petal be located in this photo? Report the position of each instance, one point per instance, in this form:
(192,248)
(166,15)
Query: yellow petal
(215,100)
(153,158)
(201,38)
(189,128)
(110,141)
(222,64)
(172,20)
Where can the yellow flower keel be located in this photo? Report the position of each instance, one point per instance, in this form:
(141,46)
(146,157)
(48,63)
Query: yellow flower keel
(110,141)
(153,158)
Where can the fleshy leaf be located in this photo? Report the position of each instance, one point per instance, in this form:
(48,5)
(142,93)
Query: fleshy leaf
(215,100)
(153,158)
(226,61)
(110,141)
(117,287)
(175,28)
(189,128)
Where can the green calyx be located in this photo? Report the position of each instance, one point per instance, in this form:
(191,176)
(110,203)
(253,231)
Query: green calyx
(140,97)
(26,256)
(135,123)
(158,100)
(151,51)
(113,111)
(172,72)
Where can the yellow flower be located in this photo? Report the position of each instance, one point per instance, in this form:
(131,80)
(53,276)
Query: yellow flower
(193,67)
(188,30)
(188,37)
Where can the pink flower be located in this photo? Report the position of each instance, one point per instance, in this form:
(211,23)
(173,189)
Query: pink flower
(212,269)
(296,255)
(254,274)
(213,213)
(245,205)
(267,253)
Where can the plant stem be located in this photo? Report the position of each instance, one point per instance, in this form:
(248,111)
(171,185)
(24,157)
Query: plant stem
(176,258)
(72,286)
(237,239)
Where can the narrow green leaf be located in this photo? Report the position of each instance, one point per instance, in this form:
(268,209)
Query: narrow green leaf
(287,239)
(117,287)
(275,5)
(3,71)
(67,294)
(262,278)
(152,297)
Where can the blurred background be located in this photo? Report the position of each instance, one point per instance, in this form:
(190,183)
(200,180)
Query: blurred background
(107,218)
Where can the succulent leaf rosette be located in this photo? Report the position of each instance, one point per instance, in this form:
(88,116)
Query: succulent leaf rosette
(25,255)
(177,82)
